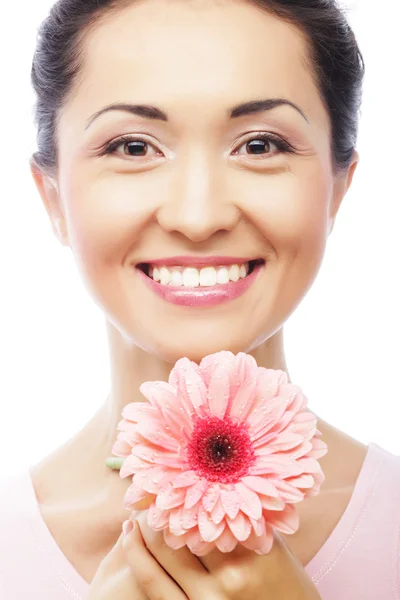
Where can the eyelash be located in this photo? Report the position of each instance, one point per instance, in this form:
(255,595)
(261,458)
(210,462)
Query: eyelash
(283,146)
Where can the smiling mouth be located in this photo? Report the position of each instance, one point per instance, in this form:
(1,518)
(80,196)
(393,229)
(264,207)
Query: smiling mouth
(195,277)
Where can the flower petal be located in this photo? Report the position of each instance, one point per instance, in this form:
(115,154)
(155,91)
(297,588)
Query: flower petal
(230,501)
(249,501)
(170,498)
(208,529)
(218,392)
(258,525)
(135,411)
(287,492)
(195,492)
(175,521)
(269,503)
(302,482)
(152,431)
(243,401)
(285,521)
(240,526)
(218,512)
(211,497)
(260,544)
(157,518)
(185,479)
(196,544)
(226,541)
(174,541)
(261,485)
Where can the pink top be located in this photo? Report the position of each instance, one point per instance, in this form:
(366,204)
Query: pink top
(359,561)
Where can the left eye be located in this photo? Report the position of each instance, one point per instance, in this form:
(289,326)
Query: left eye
(262,145)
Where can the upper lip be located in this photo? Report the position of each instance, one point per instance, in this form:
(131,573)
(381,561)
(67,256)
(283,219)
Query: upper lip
(197,261)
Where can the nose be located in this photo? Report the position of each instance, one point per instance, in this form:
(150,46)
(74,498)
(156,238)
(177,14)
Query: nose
(197,204)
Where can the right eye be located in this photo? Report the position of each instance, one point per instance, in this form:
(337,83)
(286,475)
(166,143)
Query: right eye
(136,146)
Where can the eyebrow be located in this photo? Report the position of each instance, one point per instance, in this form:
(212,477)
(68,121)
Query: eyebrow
(151,112)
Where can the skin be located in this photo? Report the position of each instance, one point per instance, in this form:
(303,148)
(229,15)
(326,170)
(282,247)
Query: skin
(190,194)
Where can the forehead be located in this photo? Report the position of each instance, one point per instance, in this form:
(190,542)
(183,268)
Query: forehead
(173,51)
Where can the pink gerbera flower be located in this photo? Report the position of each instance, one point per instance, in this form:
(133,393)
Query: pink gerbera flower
(224,450)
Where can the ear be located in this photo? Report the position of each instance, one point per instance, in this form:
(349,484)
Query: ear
(341,187)
(48,189)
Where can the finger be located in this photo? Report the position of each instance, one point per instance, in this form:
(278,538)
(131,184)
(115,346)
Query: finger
(151,578)
(183,566)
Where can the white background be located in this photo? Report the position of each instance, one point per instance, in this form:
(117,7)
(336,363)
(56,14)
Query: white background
(341,343)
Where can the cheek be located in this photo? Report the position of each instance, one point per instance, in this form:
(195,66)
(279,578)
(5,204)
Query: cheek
(106,216)
(291,213)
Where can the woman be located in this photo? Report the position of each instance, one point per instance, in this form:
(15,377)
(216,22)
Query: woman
(194,156)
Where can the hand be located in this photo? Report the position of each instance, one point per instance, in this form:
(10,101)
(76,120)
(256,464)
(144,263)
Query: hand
(165,574)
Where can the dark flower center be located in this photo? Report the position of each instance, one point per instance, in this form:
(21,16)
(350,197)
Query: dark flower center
(220,450)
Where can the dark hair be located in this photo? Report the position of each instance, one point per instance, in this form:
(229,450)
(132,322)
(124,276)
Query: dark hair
(335,59)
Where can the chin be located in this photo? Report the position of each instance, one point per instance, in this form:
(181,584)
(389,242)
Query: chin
(197,342)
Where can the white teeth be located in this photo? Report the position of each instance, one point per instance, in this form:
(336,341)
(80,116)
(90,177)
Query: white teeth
(176,278)
(165,276)
(234,273)
(191,277)
(208,276)
(222,275)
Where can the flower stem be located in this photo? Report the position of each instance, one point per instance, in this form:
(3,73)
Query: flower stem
(115,463)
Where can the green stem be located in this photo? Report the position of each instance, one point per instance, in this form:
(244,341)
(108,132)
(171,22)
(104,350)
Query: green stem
(115,463)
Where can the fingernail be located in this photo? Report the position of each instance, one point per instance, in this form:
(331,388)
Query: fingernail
(127,526)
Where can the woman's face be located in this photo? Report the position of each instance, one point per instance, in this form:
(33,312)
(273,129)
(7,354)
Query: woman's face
(199,182)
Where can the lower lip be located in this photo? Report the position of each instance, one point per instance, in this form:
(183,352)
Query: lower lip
(202,296)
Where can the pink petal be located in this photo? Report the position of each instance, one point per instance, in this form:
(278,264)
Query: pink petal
(159,394)
(218,512)
(269,503)
(135,411)
(243,401)
(131,465)
(303,481)
(170,498)
(288,492)
(265,417)
(121,448)
(226,541)
(185,479)
(318,448)
(276,464)
(194,387)
(133,495)
(258,525)
(301,450)
(196,544)
(260,544)
(249,501)
(240,526)
(174,541)
(208,529)
(157,519)
(309,465)
(195,492)
(230,501)
(157,435)
(218,392)
(260,485)
(154,479)
(175,521)
(285,521)
(190,516)
(287,441)
(211,497)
